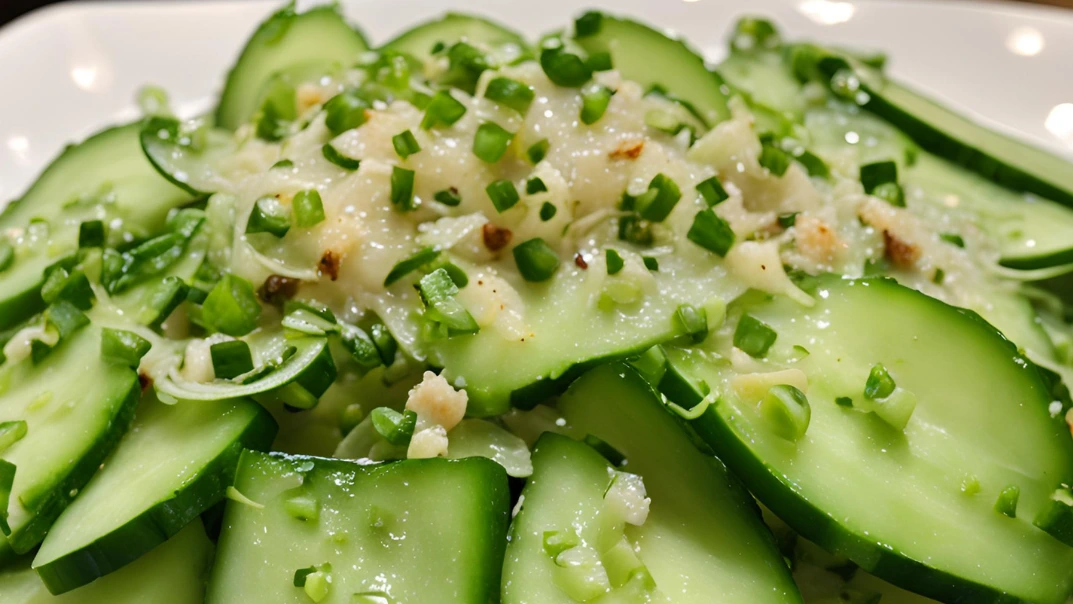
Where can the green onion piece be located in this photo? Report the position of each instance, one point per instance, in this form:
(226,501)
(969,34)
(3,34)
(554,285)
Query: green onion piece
(774,159)
(599,61)
(711,232)
(361,347)
(890,192)
(614,261)
(510,93)
(231,307)
(712,191)
(538,151)
(651,263)
(277,111)
(753,336)
(466,63)
(594,104)
(786,411)
(563,68)
(753,33)
(385,342)
(588,24)
(535,185)
(503,195)
(317,586)
(811,162)
(405,144)
(7,480)
(1006,504)
(334,156)
(557,542)
(308,208)
(788,219)
(878,173)
(402,189)
(455,272)
(161,300)
(491,142)
(952,239)
(72,286)
(411,263)
(282,164)
(438,291)
(879,384)
(610,453)
(633,229)
(7,255)
(344,111)
(448,197)
(694,321)
(442,109)
(123,347)
(66,318)
(91,234)
(658,205)
(548,211)
(844,401)
(939,276)
(396,428)
(313,307)
(269,216)
(231,358)
(11,432)
(301,574)
(536,260)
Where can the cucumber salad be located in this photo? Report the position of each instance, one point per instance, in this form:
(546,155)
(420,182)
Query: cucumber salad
(472,317)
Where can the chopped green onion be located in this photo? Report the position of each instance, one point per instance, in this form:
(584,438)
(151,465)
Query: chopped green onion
(11,432)
(599,61)
(442,109)
(317,586)
(651,263)
(281,164)
(588,24)
(277,111)
(694,321)
(610,453)
(510,93)
(774,159)
(663,121)
(563,68)
(448,197)
(7,480)
(1007,501)
(952,239)
(712,191)
(753,33)
(594,104)
(410,264)
(231,358)
(879,384)
(753,336)
(438,291)
(161,300)
(308,208)
(787,411)
(455,272)
(548,211)
(231,307)
(396,428)
(939,276)
(633,229)
(503,195)
(535,185)
(7,255)
(557,542)
(405,144)
(711,232)
(878,173)
(334,156)
(662,195)
(788,219)
(890,192)
(491,142)
(361,347)
(844,401)
(466,63)
(124,347)
(312,307)
(72,286)
(344,111)
(402,189)
(614,261)
(385,342)
(91,234)
(812,163)
(269,216)
(538,151)
(536,260)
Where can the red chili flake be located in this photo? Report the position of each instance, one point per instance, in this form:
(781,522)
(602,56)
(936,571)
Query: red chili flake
(495,238)
(329,265)
(579,260)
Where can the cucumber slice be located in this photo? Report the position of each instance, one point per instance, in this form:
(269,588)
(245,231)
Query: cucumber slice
(73,424)
(176,461)
(173,573)
(285,40)
(703,539)
(651,58)
(425,531)
(187,153)
(914,506)
(107,172)
(505,44)
(765,79)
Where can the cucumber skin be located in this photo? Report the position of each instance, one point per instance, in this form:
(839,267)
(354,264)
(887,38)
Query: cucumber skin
(50,508)
(162,521)
(21,306)
(402,41)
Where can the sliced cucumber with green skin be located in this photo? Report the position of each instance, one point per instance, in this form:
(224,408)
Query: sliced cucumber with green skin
(766,79)
(651,58)
(76,406)
(108,166)
(285,40)
(430,530)
(174,464)
(186,153)
(299,380)
(505,44)
(173,573)
(703,540)
(914,506)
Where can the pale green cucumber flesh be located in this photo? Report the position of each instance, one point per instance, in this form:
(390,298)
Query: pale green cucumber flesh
(504,43)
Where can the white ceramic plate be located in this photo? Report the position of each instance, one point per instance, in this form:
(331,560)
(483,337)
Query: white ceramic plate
(73,68)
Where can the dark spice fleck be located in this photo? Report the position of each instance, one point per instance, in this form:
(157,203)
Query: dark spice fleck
(144,381)
(579,260)
(495,238)
(278,289)
(329,265)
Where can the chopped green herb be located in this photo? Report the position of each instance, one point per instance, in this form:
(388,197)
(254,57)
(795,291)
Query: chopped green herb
(599,61)
(594,104)
(588,24)
(73,286)
(610,453)
(438,291)
(231,307)
(786,411)
(333,155)
(491,142)
(11,432)
(308,208)
(396,428)
(465,63)
(385,342)
(124,347)
(844,401)
(813,164)
(788,219)
(510,93)
(662,195)
(402,189)
(563,68)
(614,261)
(536,260)
(938,277)
(694,321)
(890,192)
(503,195)
(711,232)
(361,347)
(651,263)
(455,272)
(664,121)
(879,385)
(344,111)
(753,336)
(753,33)
(231,359)
(712,191)
(282,164)
(442,109)
(774,159)
(162,299)
(91,234)
(269,216)
(535,185)
(1006,504)
(277,111)
(953,239)
(878,173)
(548,211)
(405,144)
(410,264)
(448,197)
(538,151)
